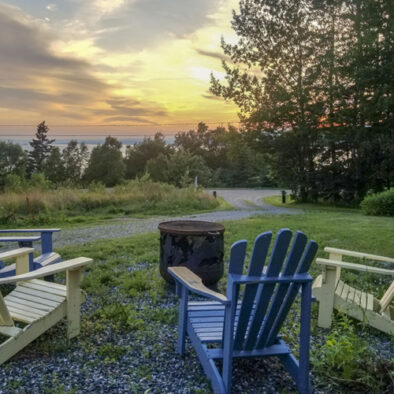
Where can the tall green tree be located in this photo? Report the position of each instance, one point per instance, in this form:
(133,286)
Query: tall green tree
(12,161)
(312,79)
(75,157)
(54,169)
(273,79)
(106,163)
(40,149)
(139,154)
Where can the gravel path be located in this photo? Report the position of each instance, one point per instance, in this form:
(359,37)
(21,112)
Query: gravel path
(247,203)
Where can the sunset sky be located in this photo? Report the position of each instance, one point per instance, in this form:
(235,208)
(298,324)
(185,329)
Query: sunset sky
(102,62)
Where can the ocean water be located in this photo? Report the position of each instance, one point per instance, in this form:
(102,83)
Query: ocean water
(90,142)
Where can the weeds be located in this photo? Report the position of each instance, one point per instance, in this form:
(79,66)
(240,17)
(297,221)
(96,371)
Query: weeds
(36,205)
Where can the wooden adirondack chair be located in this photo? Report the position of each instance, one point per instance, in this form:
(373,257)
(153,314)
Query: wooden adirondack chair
(332,292)
(47,257)
(38,304)
(249,326)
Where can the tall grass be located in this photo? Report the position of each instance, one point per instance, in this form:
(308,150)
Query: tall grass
(136,197)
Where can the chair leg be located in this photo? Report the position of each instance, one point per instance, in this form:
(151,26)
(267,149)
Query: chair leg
(228,341)
(182,320)
(304,383)
(74,300)
(327,294)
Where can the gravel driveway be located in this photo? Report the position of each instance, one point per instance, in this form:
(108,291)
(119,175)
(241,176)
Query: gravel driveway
(247,203)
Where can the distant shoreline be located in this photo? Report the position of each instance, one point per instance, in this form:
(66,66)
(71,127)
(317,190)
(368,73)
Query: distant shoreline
(90,142)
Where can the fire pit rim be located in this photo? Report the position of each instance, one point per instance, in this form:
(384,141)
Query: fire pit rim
(177,227)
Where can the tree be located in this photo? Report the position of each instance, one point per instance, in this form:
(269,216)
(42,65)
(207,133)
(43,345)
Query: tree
(54,169)
(139,154)
(180,168)
(75,159)
(12,161)
(41,148)
(312,79)
(106,163)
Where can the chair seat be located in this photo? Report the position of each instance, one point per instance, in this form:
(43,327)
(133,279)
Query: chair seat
(33,300)
(207,319)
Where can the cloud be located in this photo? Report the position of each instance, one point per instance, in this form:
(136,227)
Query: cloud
(213,54)
(34,79)
(147,23)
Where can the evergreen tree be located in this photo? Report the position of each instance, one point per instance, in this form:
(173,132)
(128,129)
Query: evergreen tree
(41,148)
(54,169)
(106,163)
(314,82)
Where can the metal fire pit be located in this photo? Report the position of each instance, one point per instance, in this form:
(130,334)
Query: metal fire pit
(195,244)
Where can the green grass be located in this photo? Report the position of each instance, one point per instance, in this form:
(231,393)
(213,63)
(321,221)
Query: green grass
(290,203)
(127,292)
(73,207)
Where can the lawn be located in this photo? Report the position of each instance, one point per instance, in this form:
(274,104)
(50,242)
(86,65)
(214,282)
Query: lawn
(129,322)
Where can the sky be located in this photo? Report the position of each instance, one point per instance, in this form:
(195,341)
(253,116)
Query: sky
(88,66)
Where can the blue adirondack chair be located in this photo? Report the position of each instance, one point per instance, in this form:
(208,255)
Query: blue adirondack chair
(248,326)
(47,257)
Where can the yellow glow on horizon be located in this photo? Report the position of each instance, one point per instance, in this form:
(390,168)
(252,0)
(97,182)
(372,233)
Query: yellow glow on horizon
(169,82)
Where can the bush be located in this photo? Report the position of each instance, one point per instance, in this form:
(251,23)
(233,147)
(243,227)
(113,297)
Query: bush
(380,204)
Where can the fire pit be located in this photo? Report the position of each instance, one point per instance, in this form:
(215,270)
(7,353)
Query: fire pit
(195,244)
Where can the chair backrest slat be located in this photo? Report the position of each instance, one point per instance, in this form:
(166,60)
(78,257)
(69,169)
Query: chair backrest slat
(292,292)
(264,294)
(237,259)
(290,268)
(259,255)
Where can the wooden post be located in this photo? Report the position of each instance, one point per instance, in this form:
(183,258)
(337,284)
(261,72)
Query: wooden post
(5,317)
(336,257)
(73,302)
(327,296)
(22,264)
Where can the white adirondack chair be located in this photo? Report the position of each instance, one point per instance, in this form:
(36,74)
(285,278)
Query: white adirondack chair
(36,304)
(332,292)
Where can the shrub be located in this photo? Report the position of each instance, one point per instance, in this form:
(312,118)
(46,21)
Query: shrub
(381,204)
(346,358)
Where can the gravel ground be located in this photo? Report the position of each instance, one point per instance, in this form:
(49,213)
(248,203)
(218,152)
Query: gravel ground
(148,363)
(106,359)
(247,203)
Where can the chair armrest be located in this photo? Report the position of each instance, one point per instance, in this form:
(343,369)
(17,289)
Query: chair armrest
(69,265)
(353,266)
(12,254)
(194,283)
(358,254)
(31,230)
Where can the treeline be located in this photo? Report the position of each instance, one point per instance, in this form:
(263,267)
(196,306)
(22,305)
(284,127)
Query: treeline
(314,81)
(219,157)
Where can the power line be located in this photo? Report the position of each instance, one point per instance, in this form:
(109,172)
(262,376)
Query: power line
(121,125)
(172,134)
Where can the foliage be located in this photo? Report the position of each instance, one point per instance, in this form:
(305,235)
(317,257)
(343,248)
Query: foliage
(138,155)
(40,149)
(54,167)
(75,159)
(345,356)
(106,163)
(381,204)
(313,81)
(179,169)
(12,161)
